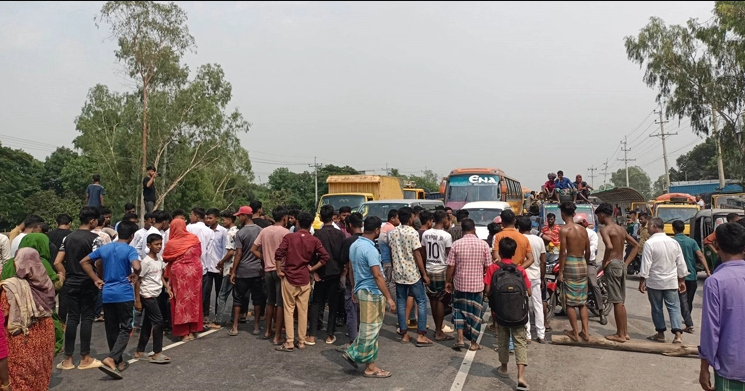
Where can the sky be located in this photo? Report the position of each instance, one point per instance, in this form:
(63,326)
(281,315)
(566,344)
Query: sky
(529,88)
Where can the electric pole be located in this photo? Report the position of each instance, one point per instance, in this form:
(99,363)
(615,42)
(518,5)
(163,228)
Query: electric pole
(592,170)
(625,159)
(662,135)
(605,173)
(315,166)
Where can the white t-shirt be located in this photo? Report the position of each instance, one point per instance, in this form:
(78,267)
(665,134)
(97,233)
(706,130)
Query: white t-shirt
(593,236)
(435,241)
(229,245)
(16,242)
(151,271)
(538,247)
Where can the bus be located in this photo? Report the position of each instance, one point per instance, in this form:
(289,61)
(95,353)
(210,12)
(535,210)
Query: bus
(465,185)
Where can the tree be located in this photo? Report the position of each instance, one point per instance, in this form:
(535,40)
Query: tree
(658,188)
(699,69)
(20,174)
(638,180)
(152,38)
(428,181)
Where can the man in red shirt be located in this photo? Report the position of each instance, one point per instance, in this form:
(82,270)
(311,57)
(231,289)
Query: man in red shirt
(293,258)
(548,187)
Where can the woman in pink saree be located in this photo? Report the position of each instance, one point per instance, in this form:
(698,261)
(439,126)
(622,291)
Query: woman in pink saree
(184,269)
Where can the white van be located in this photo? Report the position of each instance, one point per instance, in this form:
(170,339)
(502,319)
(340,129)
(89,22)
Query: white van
(483,212)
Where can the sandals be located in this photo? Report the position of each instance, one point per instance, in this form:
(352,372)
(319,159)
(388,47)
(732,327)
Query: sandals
(283,348)
(688,330)
(379,374)
(522,387)
(333,339)
(473,350)
(162,359)
(424,344)
(350,361)
(95,364)
(113,373)
(64,368)
(448,337)
(458,346)
(655,338)
(232,333)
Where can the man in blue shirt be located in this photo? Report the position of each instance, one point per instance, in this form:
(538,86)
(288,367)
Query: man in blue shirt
(564,186)
(95,192)
(372,295)
(119,264)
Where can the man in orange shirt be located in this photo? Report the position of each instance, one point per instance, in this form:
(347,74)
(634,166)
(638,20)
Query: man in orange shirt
(709,240)
(524,253)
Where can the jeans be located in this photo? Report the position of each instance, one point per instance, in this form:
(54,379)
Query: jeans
(402,293)
(153,322)
(149,205)
(80,300)
(685,312)
(207,281)
(592,281)
(222,299)
(672,302)
(351,309)
(118,322)
(324,291)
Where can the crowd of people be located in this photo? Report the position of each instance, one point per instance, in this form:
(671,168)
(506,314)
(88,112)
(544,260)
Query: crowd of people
(56,282)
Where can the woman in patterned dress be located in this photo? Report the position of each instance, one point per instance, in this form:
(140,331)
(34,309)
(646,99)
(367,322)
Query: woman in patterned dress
(27,301)
(182,253)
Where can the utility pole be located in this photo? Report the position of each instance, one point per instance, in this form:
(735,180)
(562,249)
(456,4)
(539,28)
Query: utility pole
(718,139)
(315,166)
(592,170)
(605,173)
(626,159)
(662,135)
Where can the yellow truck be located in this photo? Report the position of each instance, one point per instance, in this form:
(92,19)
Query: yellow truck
(412,193)
(675,208)
(354,190)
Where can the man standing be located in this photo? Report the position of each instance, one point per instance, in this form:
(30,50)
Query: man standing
(536,274)
(722,315)
(385,249)
(614,239)
(258,216)
(700,202)
(268,241)
(94,193)
(215,253)
(344,212)
(326,288)
(119,264)
(691,254)
(205,235)
(437,243)
(372,295)
(63,229)
(79,291)
(294,256)
(247,274)
(573,258)
(351,308)
(409,274)
(662,276)
(148,189)
(592,269)
(226,264)
(455,230)
(524,253)
(466,264)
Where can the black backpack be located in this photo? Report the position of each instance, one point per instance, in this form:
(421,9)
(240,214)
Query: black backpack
(509,296)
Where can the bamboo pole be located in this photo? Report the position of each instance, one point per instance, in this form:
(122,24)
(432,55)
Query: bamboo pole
(667,349)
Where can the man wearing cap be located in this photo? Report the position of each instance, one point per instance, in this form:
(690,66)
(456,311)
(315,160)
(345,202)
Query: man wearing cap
(592,270)
(247,274)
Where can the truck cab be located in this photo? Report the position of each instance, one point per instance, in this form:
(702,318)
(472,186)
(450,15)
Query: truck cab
(354,190)
(675,208)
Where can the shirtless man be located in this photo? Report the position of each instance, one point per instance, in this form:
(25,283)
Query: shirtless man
(614,238)
(573,258)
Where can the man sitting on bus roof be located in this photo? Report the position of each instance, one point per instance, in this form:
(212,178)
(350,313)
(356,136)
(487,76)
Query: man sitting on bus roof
(548,187)
(564,186)
(583,190)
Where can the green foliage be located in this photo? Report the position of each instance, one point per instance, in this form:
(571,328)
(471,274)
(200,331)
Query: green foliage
(658,188)
(48,205)
(20,176)
(298,189)
(638,180)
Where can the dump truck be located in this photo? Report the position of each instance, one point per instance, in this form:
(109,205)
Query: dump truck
(354,190)
(677,206)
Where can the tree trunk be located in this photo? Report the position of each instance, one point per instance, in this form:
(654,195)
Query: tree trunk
(144,150)
(668,349)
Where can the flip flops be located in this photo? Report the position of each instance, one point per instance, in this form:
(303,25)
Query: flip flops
(95,364)
(113,373)
(310,343)
(333,339)
(655,338)
(283,348)
(424,344)
(458,346)
(350,361)
(232,333)
(688,330)
(522,387)
(473,350)
(379,374)
(64,368)
(448,337)
(162,359)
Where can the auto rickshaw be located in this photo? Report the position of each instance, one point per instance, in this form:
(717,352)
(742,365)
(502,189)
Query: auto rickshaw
(703,224)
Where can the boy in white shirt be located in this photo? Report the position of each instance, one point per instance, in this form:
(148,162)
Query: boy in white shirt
(147,289)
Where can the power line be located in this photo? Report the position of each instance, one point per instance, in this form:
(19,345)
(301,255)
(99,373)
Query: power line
(663,136)
(626,159)
(592,170)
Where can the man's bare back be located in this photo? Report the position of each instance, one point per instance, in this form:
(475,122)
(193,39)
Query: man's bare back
(574,239)
(614,238)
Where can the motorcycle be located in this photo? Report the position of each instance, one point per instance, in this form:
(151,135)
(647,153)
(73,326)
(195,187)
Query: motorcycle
(555,296)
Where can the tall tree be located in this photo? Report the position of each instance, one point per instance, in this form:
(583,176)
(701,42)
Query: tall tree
(152,38)
(638,180)
(19,179)
(658,188)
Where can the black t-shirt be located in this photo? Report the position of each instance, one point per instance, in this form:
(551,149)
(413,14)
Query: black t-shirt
(56,235)
(148,193)
(261,222)
(76,246)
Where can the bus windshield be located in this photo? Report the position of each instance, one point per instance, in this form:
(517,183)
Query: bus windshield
(337,201)
(470,188)
(670,214)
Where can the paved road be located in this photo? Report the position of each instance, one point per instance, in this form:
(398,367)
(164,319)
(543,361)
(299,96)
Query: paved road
(219,362)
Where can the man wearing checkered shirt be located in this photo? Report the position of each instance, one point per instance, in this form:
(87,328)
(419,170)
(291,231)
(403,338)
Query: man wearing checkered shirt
(468,260)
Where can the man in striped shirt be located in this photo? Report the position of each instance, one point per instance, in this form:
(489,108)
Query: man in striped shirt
(468,259)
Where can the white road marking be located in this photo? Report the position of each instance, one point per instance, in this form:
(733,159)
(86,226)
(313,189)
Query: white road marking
(465,366)
(173,345)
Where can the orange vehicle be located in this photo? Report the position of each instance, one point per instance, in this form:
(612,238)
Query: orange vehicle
(465,185)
